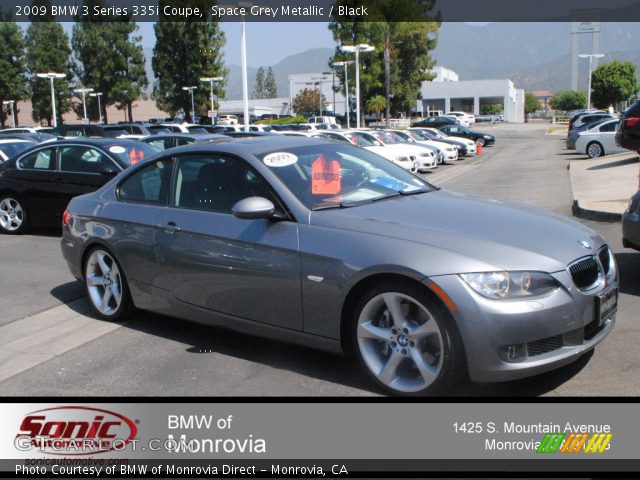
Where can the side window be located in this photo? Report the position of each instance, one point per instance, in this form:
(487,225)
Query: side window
(185,141)
(148,185)
(40,160)
(609,127)
(216,183)
(136,130)
(81,159)
(161,143)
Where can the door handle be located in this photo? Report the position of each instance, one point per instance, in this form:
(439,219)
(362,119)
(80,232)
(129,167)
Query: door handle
(171,227)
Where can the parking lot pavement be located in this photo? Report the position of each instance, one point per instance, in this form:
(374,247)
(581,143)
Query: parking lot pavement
(155,355)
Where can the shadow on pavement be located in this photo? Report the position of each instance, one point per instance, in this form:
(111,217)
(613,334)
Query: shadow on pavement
(68,292)
(45,232)
(629,269)
(619,163)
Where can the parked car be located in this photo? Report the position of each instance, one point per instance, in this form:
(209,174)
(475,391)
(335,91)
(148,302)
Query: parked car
(31,137)
(437,122)
(464,145)
(631,223)
(323,120)
(479,138)
(581,119)
(408,155)
(36,186)
(328,245)
(446,151)
(228,120)
(572,135)
(465,118)
(628,135)
(26,130)
(600,140)
(164,141)
(10,147)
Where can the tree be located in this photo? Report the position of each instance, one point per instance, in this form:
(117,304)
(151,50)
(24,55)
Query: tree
(12,66)
(401,58)
(258,87)
(270,89)
(308,102)
(613,83)
(531,104)
(566,100)
(184,52)
(109,59)
(491,109)
(376,104)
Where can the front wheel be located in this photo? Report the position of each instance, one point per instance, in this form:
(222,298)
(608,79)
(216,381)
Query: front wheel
(480,141)
(13,214)
(406,341)
(106,285)
(595,150)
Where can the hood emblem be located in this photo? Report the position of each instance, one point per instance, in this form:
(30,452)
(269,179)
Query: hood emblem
(585,244)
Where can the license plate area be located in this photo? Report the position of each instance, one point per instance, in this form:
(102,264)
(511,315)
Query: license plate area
(606,305)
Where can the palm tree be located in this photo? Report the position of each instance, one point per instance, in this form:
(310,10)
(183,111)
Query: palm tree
(376,104)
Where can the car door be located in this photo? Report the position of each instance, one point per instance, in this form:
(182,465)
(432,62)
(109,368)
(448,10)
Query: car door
(38,181)
(608,137)
(83,169)
(213,260)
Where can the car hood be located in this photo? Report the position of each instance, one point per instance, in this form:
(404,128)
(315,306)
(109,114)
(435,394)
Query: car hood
(503,234)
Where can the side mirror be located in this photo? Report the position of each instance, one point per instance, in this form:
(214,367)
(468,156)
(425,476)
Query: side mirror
(108,171)
(253,208)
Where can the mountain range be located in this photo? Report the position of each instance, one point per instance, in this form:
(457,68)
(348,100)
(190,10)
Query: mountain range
(536,56)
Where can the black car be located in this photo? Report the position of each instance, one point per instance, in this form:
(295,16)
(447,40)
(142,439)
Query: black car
(437,122)
(164,141)
(628,135)
(631,224)
(36,186)
(460,131)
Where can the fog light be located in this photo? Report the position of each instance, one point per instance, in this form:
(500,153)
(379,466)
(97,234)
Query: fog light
(513,353)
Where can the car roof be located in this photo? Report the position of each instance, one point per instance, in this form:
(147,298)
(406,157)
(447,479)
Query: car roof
(10,139)
(197,136)
(92,141)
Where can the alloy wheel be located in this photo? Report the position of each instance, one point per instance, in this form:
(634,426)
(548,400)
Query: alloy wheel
(594,150)
(11,214)
(480,142)
(400,342)
(104,282)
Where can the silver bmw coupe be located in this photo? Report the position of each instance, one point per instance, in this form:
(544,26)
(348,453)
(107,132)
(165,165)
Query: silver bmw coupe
(331,246)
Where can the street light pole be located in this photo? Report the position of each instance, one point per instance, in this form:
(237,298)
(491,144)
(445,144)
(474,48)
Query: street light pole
(98,94)
(211,80)
(345,64)
(590,56)
(51,76)
(11,104)
(361,47)
(193,105)
(84,92)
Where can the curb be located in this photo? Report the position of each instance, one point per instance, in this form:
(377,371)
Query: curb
(594,215)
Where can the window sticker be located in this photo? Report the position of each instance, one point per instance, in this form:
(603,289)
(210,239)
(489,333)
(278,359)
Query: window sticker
(280,159)
(116,149)
(135,156)
(325,176)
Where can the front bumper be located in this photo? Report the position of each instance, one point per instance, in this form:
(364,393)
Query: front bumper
(511,339)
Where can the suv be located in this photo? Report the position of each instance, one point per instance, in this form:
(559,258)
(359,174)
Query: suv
(227,120)
(329,120)
(628,135)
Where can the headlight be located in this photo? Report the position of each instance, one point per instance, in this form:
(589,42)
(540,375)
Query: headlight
(506,285)
(487,137)
(402,159)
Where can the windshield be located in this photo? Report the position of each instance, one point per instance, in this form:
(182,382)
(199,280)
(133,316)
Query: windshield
(340,175)
(131,153)
(14,148)
(197,129)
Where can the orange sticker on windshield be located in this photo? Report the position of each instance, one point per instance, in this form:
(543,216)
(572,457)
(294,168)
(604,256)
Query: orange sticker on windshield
(135,156)
(325,176)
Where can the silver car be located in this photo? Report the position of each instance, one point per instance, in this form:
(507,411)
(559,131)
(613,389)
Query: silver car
(329,245)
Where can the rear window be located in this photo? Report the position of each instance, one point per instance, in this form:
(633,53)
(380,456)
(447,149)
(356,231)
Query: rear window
(130,153)
(14,148)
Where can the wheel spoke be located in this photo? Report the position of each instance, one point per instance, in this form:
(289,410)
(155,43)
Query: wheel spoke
(95,280)
(117,294)
(394,305)
(430,327)
(388,373)
(368,330)
(427,372)
(103,264)
(106,298)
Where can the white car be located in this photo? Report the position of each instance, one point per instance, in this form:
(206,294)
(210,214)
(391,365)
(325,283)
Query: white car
(227,120)
(600,140)
(11,147)
(466,119)
(472,148)
(448,152)
(27,130)
(403,153)
(325,120)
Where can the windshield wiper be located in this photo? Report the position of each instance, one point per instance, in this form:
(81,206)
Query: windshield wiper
(413,192)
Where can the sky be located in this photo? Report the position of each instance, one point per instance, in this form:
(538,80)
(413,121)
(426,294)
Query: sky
(267,42)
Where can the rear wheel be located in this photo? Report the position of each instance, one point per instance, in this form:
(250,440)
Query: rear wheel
(13,214)
(480,141)
(106,285)
(406,341)
(595,150)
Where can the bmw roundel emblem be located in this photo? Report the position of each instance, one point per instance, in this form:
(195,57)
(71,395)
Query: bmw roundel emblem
(585,244)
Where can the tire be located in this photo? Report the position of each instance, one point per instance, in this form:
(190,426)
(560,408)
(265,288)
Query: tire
(595,150)
(417,350)
(14,219)
(106,285)
(480,141)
